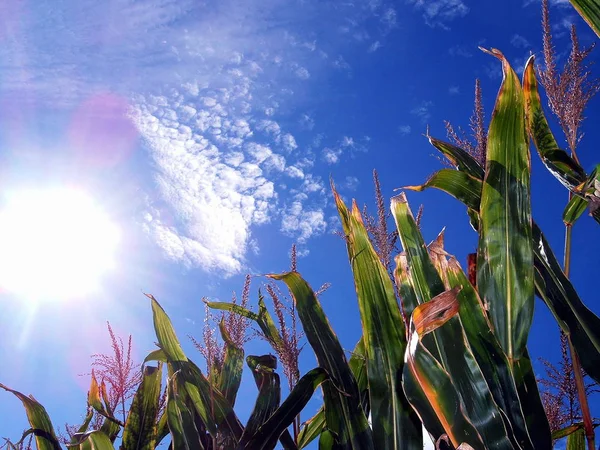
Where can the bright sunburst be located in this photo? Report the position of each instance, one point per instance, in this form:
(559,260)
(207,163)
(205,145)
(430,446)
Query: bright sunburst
(55,244)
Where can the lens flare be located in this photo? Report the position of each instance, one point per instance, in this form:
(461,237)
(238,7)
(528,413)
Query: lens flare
(55,244)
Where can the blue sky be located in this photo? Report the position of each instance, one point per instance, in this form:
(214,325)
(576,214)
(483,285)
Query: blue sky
(208,132)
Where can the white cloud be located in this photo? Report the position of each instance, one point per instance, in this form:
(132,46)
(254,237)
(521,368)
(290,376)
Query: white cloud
(341,63)
(389,18)
(294,172)
(303,223)
(441,12)
(423,111)
(351,183)
(209,99)
(289,143)
(331,155)
(404,129)
(375,46)
(453,90)
(302,73)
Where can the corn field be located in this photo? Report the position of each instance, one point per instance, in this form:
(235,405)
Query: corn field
(439,351)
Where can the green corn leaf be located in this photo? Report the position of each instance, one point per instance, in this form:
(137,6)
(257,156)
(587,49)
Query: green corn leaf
(458,157)
(38,418)
(267,435)
(564,168)
(505,254)
(263,319)
(393,421)
(95,440)
(446,179)
(489,355)
(428,386)
(269,394)
(556,291)
(566,431)
(165,333)
(326,440)
(344,414)
(408,298)
(448,344)
(591,192)
(139,431)
(180,418)
(590,11)
(574,209)
(315,425)
(156,355)
(162,428)
(83,428)
(230,376)
(530,400)
(214,409)
(574,318)
(576,440)
(312,429)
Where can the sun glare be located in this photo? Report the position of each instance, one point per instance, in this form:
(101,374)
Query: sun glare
(55,244)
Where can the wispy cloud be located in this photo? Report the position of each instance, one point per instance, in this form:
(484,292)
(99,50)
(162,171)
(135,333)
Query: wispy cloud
(439,13)
(333,154)
(423,111)
(375,46)
(453,90)
(214,104)
(404,130)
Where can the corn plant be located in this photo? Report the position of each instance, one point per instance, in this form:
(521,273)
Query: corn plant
(460,367)
(197,416)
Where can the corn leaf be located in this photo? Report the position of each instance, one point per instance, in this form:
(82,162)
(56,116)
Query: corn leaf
(564,432)
(344,414)
(408,298)
(139,431)
(505,254)
(266,436)
(529,397)
(184,434)
(574,209)
(38,418)
(230,376)
(458,157)
(263,319)
(313,427)
(448,344)
(269,394)
(574,318)
(428,386)
(214,409)
(393,421)
(95,440)
(590,11)
(576,440)
(564,168)
(162,428)
(445,180)
(489,355)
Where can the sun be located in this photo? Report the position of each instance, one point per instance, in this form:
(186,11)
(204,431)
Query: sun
(55,244)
